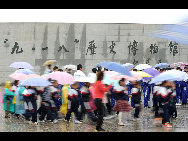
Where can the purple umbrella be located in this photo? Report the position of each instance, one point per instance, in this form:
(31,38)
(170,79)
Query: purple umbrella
(23,65)
(152,72)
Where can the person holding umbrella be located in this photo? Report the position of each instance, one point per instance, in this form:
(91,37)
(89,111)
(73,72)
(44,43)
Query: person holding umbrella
(136,97)
(184,88)
(46,106)
(48,69)
(49,66)
(30,97)
(9,94)
(73,103)
(121,104)
(99,90)
(85,94)
(163,98)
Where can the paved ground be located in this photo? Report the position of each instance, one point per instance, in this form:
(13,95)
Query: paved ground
(145,124)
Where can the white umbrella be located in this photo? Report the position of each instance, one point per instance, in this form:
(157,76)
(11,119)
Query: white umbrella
(170,75)
(70,66)
(142,66)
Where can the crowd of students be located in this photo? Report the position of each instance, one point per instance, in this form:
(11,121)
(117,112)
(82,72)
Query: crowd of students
(97,100)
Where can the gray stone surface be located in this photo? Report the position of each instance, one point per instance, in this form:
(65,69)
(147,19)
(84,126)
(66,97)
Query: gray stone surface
(55,35)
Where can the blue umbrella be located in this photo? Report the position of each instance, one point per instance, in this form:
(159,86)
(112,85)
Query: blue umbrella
(115,67)
(162,65)
(170,75)
(23,65)
(130,66)
(24,71)
(36,82)
(103,64)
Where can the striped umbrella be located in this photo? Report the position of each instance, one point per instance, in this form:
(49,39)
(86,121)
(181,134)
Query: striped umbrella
(183,65)
(178,64)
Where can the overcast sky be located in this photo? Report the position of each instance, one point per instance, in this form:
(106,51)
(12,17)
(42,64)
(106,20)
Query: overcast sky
(144,16)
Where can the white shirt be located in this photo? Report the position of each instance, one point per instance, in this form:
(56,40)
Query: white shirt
(155,89)
(120,88)
(47,71)
(28,92)
(164,92)
(93,77)
(79,74)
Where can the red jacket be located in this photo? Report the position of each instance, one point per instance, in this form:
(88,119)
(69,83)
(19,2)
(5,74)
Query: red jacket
(100,89)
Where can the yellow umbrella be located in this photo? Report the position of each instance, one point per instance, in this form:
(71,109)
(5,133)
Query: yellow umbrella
(143,74)
(49,62)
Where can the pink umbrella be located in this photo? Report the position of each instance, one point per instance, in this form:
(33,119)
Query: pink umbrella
(62,77)
(17,76)
(183,65)
(31,76)
(134,77)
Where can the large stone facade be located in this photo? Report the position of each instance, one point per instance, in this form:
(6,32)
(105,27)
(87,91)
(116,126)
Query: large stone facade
(87,44)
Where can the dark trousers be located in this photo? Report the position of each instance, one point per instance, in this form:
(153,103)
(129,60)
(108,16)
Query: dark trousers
(45,111)
(75,110)
(156,105)
(100,111)
(89,114)
(54,114)
(172,109)
(33,114)
(166,116)
(136,100)
(108,105)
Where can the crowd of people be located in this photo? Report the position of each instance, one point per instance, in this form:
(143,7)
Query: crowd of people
(99,101)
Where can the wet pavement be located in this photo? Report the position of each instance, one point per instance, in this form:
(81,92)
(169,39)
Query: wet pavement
(144,124)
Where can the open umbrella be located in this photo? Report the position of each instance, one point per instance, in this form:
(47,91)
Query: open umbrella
(31,76)
(103,64)
(152,72)
(107,80)
(115,67)
(141,73)
(35,82)
(142,66)
(49,62)
(72,67)
(132,78)
(183,65)
(62,77)
(17,76)
(178,64)
(45,75)
(24,71)
(170,75)
(129,65)
(23,65)
(162,65)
